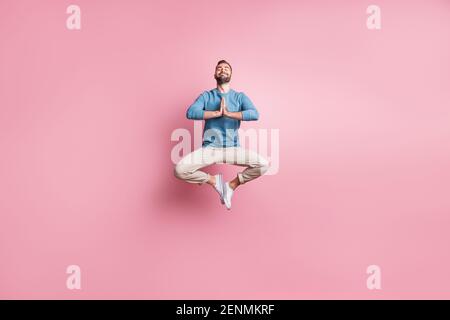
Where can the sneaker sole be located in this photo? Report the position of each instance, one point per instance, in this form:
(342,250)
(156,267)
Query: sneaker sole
(224,191)
(221,184)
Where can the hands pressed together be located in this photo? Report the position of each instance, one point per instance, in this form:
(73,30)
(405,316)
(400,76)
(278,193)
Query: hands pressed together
(223,112)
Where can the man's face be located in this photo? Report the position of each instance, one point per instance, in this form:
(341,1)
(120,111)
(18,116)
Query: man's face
(223,73)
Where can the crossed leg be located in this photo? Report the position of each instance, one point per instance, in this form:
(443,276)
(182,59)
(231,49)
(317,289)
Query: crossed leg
(188,168)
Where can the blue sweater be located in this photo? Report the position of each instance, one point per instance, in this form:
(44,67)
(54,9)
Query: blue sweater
(222,131)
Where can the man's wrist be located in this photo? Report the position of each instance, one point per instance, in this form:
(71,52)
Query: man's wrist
(233,115)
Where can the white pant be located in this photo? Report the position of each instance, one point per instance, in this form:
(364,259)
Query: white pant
(188,167)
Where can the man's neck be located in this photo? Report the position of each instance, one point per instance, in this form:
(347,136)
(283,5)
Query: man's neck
(223,88)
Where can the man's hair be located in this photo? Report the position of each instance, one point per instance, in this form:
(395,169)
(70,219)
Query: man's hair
(224,61)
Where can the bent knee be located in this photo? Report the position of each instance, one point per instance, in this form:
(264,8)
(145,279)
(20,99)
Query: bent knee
(179,171)
(264,165)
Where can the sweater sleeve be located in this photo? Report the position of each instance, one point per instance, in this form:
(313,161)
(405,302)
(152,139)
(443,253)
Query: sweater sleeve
(249,112)
(197,109)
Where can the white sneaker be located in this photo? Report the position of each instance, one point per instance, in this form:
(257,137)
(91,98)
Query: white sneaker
(219,186)
(227,194)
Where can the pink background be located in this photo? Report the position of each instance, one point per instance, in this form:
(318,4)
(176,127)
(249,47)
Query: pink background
(86,176)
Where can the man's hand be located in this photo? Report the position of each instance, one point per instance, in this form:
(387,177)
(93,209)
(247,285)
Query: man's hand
(223,112)
(223,107)
(229,114)
(216,113)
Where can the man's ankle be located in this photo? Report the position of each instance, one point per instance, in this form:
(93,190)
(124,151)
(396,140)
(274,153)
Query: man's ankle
(212,181)
(233,185)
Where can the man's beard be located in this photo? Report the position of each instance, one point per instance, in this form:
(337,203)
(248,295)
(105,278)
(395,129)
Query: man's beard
(222,79)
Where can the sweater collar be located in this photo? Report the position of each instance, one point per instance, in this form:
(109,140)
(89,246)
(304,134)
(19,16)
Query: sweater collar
(222,94)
